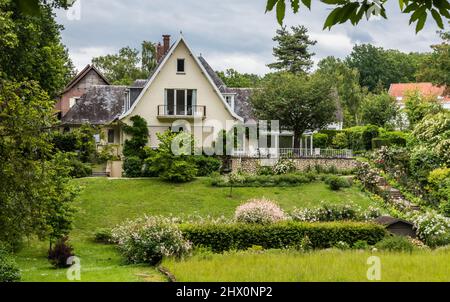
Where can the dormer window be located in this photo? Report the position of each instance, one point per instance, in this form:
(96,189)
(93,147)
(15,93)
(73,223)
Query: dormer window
(127,101)
(180,66)
(229,98)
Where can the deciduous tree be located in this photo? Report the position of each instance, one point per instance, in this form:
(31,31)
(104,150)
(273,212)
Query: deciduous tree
(299,102)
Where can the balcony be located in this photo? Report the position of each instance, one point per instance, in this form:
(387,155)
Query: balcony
(186,112)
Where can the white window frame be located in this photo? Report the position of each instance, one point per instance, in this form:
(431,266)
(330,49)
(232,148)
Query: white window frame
(232,98)
(175,90)
(73,101)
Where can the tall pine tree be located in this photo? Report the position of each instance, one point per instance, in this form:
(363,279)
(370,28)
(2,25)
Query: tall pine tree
(293,53)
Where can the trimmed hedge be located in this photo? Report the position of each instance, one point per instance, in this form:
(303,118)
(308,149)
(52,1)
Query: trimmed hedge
(225,237)
(286,180)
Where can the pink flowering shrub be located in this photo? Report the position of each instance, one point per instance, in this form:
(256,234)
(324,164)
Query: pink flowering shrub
(149,239)
(262,211)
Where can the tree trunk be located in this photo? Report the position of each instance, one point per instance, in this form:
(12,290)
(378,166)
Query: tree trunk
(297,139)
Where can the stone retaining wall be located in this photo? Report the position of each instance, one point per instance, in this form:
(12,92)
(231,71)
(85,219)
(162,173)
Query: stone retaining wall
(251,165)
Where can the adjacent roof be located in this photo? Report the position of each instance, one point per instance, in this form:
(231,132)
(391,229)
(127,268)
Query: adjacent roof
(242,104)
(428,89)
(82,74)
(100,105)
(140,83)
(388,220)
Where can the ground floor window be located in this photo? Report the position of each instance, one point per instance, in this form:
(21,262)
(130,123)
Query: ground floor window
(111,136)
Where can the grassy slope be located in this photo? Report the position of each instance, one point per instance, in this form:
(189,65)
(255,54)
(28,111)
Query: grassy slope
(105,203)
(326,265)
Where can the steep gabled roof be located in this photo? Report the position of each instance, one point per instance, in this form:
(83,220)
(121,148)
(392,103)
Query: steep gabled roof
(82,74)
(163,63)
(216,79)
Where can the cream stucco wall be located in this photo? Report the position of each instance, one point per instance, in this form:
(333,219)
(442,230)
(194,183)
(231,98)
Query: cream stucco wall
(216,110)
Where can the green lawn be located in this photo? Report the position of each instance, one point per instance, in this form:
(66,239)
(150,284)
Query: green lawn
(105,203)
(325,265)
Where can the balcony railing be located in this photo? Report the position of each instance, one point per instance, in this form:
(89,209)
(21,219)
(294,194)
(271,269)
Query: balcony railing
(295,153)
(187,111)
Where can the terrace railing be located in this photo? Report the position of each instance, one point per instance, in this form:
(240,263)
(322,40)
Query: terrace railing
(187,111)
(296,153)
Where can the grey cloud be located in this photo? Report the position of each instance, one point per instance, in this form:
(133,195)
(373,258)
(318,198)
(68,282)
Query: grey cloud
(227,31)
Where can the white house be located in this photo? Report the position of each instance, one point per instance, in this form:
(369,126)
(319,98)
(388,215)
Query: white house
(183,91)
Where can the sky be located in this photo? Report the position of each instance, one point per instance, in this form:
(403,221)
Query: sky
(228,33)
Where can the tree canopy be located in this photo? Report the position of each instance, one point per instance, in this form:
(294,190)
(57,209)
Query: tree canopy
(436,66)
(379,67)
(31,48)
(128,64)
(293,50)
(380,110)
(299,102)
(353,11)
(346,81)
(235,79)
(35,195)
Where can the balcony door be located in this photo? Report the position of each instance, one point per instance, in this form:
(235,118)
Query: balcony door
(180,102)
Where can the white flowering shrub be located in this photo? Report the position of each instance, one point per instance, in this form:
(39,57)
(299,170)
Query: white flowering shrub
(332,212)
(433,228)
(262,211)
(149,239)
(284,166)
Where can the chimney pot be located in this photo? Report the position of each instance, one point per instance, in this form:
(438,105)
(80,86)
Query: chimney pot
(159,52)
(166,45)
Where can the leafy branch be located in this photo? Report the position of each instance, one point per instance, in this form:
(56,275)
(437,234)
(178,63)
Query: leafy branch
(354,10)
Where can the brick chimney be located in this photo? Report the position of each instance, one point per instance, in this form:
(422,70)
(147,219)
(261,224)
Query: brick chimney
(166,43)
(159,52)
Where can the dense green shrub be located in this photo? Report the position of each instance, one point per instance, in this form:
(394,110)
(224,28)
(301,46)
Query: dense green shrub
(340,141)
(138,133)
(179,167)
(336,183)
(9,270)
(379,142)
(260,211)
(387,141)
(321,140)
(396,138)
(370,132)
(149,239)
(103,236)
(64,142)
(180,171)
(264,170)
(335,212)
(224,237)
(423,160)
(395,244)
(287,180)
(60,253)
(361,245)
(86,146)
(79,169)
(206,165)
(330,134)
(132,166)
(445,207)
